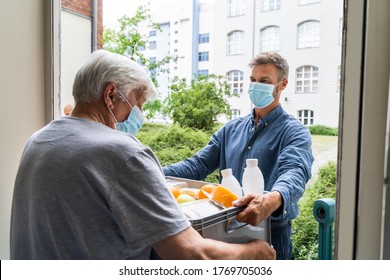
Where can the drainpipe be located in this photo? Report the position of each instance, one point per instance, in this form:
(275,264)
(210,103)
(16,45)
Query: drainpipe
(94,24)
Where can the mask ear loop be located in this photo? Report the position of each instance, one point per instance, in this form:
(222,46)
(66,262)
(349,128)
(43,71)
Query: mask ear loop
(112,114)
(279,90)
(127,101)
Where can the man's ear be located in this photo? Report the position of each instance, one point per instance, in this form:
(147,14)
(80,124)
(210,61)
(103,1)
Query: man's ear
(283,84)
(109,95)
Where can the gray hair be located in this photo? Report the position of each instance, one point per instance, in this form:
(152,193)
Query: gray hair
(272,58)
(104,67)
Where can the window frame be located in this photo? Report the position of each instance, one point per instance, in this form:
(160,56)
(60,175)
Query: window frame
(233,47)
(235,8)
(203,56)
(311,79)
(309,116)
(310,34)
(276,5)
(276,38)
(235,79)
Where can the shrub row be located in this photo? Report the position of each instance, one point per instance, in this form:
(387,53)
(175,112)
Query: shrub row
(323,130)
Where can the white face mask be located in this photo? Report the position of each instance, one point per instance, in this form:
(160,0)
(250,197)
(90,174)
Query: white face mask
(134,121)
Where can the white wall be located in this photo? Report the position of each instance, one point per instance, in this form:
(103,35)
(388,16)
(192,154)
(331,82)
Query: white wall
(75,49)
(22,80)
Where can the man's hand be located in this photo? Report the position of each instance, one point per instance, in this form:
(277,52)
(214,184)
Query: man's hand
(259,208)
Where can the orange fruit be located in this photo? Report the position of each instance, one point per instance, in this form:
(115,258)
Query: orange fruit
(224,196)
(175,191)
(207,188)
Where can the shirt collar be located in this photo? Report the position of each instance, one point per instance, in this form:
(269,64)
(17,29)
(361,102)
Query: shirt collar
(271,116)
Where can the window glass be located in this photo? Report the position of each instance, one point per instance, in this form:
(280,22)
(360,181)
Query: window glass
(152,45)
(235,43)
(203,38)
(235,79)
(306,117)
(270,39)
(269,5)
(203,56)
(236,8)
(308,34)
(306,79)
(236,113)
(203,72)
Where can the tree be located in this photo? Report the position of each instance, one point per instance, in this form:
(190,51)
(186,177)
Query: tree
(199,104)
(129,41)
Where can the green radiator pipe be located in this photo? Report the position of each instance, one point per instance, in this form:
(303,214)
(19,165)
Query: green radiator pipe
(324,214)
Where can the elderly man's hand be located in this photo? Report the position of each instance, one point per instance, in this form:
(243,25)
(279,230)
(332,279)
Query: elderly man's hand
(264,250)
(259,207)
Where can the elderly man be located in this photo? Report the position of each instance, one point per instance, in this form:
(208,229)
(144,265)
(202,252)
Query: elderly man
(279,141)
(86,188)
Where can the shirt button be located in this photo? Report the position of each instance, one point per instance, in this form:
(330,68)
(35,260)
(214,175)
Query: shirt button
(249,147)
(285,212)
(265,124)
(253,128)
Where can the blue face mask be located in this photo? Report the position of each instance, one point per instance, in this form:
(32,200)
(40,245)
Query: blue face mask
(134,121)
(261,94)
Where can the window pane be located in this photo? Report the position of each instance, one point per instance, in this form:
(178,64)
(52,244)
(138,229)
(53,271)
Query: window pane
(232,79)
(308,34)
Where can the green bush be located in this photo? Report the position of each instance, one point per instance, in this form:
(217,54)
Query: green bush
(323,130)
(305,227)
(172,143)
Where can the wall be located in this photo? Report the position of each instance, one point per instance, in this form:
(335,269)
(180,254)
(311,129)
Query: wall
(75,49)
(22,80)
(84,7)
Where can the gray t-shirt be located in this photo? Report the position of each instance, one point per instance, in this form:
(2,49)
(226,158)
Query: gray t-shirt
(86,191)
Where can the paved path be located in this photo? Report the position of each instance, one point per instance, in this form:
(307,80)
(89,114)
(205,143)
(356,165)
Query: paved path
(324,150)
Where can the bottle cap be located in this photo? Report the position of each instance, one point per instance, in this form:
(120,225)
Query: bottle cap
(251,161)
(226,172)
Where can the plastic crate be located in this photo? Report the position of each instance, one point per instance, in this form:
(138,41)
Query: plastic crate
(214,222)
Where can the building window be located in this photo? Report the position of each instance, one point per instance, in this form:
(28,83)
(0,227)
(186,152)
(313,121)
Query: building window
(307,79)
(152,60)
(269,38)
(236,113)
(141,48)
(305,2)
(203,38)
(236,8)
(306,117)
(270,5)
(203,72)
(235,43)
(203,56)
(235,79)
(152,33)
(308,34)
(152,45)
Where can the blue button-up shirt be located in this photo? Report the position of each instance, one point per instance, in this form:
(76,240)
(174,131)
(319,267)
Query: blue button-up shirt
(281,144)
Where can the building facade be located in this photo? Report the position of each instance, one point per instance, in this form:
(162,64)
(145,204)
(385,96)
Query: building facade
(222,36)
